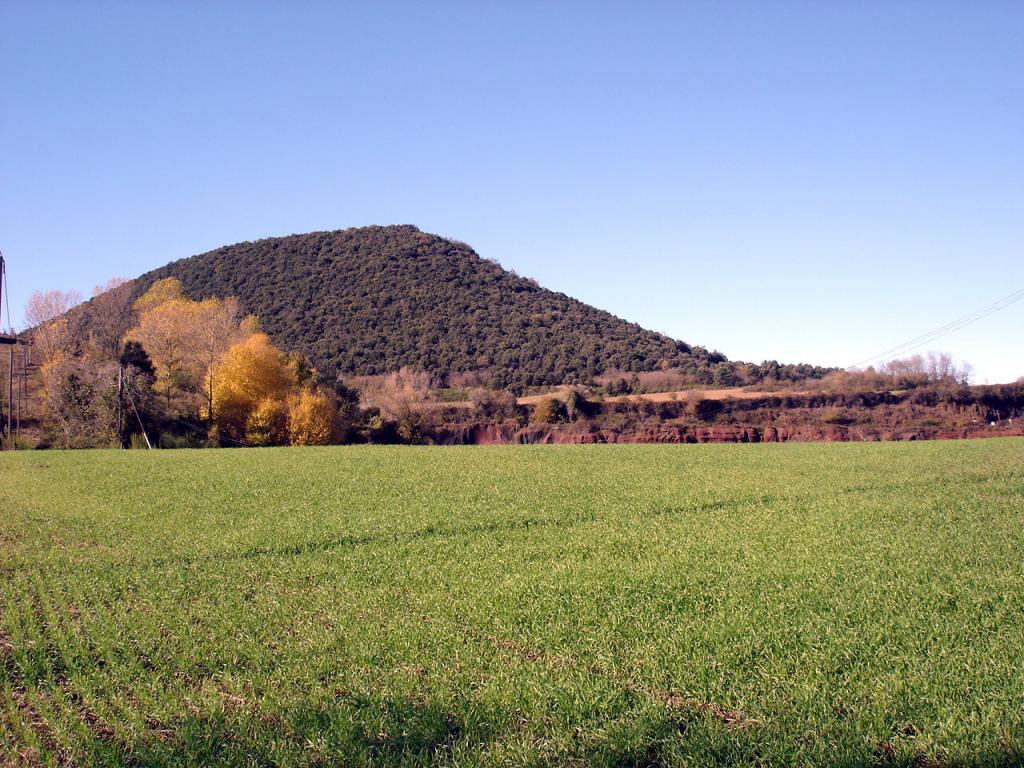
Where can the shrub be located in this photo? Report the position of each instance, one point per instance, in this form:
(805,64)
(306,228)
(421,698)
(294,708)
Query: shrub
(576,405)
(493,403)
(171,440)
(547,411)
(834,415)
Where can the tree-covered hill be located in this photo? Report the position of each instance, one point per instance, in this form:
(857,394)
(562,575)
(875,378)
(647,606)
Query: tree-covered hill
(370,300)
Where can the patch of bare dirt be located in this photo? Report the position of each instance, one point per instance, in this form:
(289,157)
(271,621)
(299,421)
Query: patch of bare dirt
(732,718)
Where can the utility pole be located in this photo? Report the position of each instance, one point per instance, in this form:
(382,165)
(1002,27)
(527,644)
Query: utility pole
(10,398)
(10,373)
(120,405)
(131,401)
(9,339)
(21,396)
(3,420)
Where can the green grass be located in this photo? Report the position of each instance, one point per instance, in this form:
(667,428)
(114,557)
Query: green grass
(780,605)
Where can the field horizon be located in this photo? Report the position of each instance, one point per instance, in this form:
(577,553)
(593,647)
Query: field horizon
(780,604)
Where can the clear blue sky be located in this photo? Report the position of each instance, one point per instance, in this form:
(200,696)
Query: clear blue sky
(793,180)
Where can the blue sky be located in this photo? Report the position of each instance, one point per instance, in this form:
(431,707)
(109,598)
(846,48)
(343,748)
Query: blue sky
(792,180)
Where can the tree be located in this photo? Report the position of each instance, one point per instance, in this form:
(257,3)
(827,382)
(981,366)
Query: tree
(168,332)
(312,418)
(45,306)
(400,396)
(576,405)
(493,403)
(159,292)
(724,375)
(251,372)
(185,338)
(79,400)
(547,410)
(936,368)
(52,331)
(138,375)
(219,325)
(109,315)
(134,354)
(267,423)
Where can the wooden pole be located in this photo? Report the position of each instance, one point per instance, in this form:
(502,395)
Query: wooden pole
(131,401)
(21,395)
(120,405)
(4,439)
(10,397)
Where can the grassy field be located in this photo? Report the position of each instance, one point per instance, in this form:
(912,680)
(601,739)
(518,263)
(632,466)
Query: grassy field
(763,605)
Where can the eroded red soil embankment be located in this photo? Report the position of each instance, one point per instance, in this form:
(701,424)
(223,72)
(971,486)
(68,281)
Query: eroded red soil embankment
(512,434)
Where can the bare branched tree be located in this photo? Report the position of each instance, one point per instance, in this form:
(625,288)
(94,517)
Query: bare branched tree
(45,306)
(400,396)
(110,315)
(51,330)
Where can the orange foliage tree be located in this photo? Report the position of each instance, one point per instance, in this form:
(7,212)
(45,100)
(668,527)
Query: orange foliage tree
(312,418)
(214,361)
(247,382)
(259,398)
(185,338)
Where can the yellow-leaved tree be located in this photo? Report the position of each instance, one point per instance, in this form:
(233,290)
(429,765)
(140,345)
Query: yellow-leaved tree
(220,325)
(267,423)
(184,339)
(163,290)
(250,386)
(312,418)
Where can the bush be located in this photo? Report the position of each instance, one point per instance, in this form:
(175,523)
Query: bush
(833,415)
(172,441)
(493,404)
(547,411)
(576,405)
(19,443)
(382,431)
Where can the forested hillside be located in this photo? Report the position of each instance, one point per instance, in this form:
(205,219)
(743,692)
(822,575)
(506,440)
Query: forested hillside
(370,300)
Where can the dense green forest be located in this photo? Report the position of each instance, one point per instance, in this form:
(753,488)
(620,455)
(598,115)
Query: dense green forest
(371,300)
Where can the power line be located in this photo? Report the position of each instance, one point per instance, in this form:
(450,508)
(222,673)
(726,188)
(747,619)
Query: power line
(944,330)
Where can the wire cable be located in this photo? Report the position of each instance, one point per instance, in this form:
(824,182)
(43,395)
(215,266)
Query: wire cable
(950,327)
